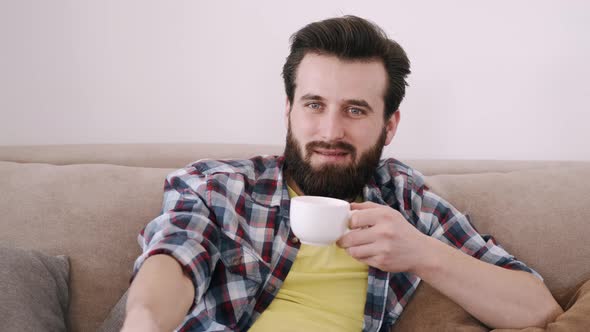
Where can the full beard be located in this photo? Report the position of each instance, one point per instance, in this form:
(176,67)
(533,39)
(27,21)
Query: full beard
(331,180)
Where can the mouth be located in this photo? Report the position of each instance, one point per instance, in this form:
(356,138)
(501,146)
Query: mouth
(332,154)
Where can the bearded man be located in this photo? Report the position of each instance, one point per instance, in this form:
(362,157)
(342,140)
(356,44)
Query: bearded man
(222,255)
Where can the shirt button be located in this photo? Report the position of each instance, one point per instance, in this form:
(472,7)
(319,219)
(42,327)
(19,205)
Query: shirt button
(270,288)
(294,240)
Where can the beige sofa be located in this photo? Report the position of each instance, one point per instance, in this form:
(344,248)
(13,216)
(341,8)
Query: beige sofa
(89,202)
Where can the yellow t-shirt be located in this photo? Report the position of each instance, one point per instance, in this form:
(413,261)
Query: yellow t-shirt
(325,290)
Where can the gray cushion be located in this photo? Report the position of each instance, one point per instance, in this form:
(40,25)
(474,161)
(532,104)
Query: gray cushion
(116,317)
(34,290)
(92,214)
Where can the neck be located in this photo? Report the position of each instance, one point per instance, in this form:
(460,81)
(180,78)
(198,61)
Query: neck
(291,183)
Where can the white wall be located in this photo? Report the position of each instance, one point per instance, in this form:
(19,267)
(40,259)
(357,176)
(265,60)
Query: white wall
(491,79)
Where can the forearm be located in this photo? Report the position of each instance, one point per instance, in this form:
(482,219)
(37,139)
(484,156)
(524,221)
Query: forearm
(160,294)
(498,297)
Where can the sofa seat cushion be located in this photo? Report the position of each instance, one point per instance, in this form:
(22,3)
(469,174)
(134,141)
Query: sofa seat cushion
(34,291)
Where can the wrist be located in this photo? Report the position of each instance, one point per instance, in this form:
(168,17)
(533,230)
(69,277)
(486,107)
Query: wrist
(428,259)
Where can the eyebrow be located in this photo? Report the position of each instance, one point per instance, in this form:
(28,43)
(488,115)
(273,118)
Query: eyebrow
(354,102)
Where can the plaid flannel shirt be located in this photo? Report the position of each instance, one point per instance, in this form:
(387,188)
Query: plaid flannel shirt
(227,224)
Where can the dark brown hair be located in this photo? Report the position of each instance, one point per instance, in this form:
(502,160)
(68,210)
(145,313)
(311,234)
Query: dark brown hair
(350,38)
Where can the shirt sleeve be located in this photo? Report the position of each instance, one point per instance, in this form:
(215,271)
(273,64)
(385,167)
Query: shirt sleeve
(436,217)
(185,230)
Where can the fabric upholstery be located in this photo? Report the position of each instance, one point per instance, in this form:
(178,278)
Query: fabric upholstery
(540,216)
(91,213)
(430,310)
(143,155)
(576,318)
(177,155)
(33,291)
(116,317)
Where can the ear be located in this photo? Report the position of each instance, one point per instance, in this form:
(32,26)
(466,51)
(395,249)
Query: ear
(287,111)
(391,126)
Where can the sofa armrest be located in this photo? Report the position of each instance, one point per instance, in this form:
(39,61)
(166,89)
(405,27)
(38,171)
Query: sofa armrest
(575,318)
(430,310)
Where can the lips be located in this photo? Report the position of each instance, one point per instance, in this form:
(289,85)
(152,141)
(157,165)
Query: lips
(331,152)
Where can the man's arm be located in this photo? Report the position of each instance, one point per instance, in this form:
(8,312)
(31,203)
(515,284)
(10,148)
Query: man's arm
(498,297)
(159,297)
(174,270)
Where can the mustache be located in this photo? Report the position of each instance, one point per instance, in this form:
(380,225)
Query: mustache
(339,145)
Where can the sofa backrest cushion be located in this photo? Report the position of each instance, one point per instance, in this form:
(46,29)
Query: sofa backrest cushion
(90,213)
(177,155)
(541,216)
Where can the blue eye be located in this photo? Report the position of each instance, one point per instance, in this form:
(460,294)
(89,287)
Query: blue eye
(314,106)
(356,111)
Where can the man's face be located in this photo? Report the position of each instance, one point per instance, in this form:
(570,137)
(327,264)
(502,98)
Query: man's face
(336,124)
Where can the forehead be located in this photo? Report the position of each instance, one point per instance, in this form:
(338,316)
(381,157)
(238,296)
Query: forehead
(335,79)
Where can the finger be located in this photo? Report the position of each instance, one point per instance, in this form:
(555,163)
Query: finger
(363,205)
(363,252)
(374,261)
(357,237)
(364,218)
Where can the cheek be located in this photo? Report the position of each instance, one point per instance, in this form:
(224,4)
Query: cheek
(301,127)
(364,138)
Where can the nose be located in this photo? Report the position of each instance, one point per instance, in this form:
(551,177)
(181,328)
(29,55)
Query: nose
(332,126)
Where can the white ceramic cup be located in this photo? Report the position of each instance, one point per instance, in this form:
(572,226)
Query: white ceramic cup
(319,220)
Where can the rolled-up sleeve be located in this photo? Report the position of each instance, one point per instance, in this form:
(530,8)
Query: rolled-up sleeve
(434,216)
(455,228)
(185,230)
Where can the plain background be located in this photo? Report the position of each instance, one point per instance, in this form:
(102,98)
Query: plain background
(491,79)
